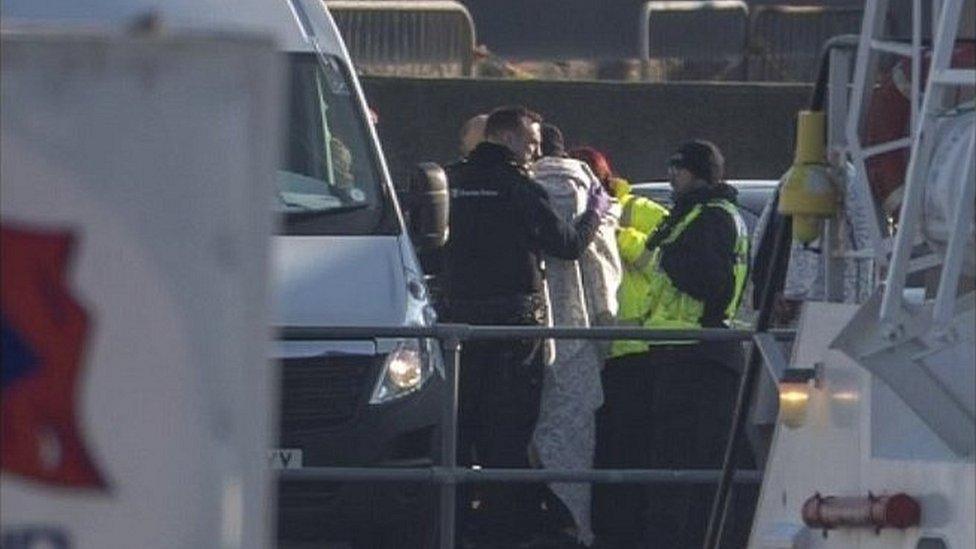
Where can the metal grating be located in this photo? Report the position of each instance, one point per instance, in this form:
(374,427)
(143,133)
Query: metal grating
(415,38)
(785,41)
(694,40)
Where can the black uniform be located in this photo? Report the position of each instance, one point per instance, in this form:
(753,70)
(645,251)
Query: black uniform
(501,223)
(699,262)
(671,407)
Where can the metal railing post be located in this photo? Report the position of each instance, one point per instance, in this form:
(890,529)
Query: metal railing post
(716,519)
(449,442)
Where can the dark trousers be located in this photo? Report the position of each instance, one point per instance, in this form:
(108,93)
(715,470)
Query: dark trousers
(664,410)
(500,390)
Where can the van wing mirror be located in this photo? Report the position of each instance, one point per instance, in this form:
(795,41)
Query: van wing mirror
(429,205)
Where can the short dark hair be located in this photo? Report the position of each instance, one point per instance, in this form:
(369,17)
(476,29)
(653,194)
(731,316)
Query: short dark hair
(508,119)
(553,143)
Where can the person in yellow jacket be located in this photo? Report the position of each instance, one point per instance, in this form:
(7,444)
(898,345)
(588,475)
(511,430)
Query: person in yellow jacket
(668,404)
(638,218)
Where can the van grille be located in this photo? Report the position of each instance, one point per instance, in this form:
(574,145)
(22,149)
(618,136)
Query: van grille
(321,393)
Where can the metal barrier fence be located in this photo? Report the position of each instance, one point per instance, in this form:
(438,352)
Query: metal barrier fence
(702,40)
(448,474)
(407,38)
(785,41)
(726,40)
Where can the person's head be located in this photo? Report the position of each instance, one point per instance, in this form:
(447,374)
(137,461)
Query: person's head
(472,133)
(517,128)
(597,162)
(694,165)
(553,143)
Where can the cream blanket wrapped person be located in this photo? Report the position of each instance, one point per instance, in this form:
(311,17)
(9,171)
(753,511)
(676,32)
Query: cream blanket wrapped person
(581,293)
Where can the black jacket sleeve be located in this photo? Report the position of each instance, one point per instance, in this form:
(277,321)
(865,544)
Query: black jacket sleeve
(547,229)
(699,262)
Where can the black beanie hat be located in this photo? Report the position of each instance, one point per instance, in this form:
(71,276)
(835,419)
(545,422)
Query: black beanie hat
(701,158)
(552,141)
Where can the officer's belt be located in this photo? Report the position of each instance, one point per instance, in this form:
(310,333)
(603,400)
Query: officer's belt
(529,309)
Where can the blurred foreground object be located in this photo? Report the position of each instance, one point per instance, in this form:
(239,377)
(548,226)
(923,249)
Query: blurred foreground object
(136,178)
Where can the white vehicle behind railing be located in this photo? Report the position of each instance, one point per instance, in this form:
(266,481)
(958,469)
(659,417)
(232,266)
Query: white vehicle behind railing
(754,195)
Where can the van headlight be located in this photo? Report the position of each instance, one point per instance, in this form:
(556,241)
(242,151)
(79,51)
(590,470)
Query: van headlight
(405,370)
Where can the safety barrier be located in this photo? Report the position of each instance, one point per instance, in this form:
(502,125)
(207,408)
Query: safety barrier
(785,41)
(448,474)
(702,40)
(407,38)
(726,40)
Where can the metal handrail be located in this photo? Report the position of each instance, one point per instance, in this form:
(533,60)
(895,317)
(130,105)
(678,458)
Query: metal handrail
(448,474)
(465,332)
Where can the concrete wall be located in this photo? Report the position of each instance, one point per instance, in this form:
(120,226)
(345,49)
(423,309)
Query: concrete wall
(637,124)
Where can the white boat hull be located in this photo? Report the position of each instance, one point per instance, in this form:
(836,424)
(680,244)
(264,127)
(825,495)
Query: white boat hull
(859,437)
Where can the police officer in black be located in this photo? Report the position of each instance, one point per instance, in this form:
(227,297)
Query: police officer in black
(501,223)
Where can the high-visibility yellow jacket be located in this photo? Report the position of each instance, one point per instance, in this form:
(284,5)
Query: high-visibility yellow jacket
(655,300)
(639,218)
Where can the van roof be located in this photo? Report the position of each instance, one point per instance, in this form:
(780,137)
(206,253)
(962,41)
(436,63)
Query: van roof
(288,21)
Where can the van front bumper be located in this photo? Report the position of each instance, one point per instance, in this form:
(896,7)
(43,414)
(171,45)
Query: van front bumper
(350,432)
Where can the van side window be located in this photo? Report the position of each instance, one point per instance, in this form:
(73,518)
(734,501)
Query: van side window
(328,164)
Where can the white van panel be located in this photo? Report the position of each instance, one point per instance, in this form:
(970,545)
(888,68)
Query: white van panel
(339,281)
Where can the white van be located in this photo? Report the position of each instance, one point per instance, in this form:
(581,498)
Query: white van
(343,256)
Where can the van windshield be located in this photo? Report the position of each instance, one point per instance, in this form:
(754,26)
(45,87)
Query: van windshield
(329,181)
